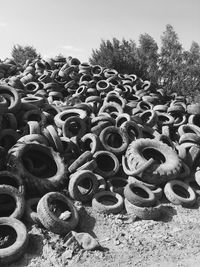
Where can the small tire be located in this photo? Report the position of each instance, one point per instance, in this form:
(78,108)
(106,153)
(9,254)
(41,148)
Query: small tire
(17,249)
(115,198)
(139,195)
(144,213)
(73,187)
(50,219)
(183,194)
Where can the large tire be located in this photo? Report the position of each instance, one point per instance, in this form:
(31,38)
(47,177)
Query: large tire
(15,250)
(166,164)
(50,179)
(50,219)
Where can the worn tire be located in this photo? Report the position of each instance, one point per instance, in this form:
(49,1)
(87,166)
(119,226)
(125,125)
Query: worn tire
(17,249)
(188,197)
(50,220)
(167,163)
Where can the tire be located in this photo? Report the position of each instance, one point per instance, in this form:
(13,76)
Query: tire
(74,184)
(74,126)
(144,213)
(17,249)
(139,195)
(184,196)
(9,178)
(18,198)
(107,163)
(116,199)
(30,213)
(189,137)
(62,116)
(132,179)
(132,130)
(82,159)
(149,117)
(50,180)
(50,219)
(109,138)
(15,102)
(90,142)
(166,164)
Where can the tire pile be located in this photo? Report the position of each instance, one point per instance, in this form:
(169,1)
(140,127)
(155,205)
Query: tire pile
(72,131)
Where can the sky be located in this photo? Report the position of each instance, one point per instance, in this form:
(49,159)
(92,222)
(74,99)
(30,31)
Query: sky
(75,27)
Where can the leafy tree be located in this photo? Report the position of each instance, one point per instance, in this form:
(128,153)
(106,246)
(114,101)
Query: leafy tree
(191,79)
(21,54)
(171,60)
(148,57)
(120,55)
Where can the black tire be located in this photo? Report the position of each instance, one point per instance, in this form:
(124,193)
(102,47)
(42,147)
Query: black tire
(51,179)
(9,178)
(139,195)
(18,210)
(87,193)
(50,219)
(17,248)
(82,159)
(114,140)
(144,213)
(107,163)
(166,164)
(180,193)
(116,199)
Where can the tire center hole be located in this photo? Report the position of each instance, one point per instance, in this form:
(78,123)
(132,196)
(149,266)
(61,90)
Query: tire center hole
(139,192)
(8,236)
(114,140)
(181,191)
(108,200)
(85,186)
(7,205)
(149,153)
(58,207)
(105,162)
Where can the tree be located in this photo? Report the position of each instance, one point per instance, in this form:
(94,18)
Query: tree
(191,81)
(120,55)
(171,60)
(148,57)
(21,54)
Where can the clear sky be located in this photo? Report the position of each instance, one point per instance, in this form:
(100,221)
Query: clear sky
(75,27)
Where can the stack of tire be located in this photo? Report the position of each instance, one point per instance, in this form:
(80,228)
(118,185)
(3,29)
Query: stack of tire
(72,131)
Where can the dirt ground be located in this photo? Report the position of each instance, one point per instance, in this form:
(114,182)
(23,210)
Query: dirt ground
(173,240)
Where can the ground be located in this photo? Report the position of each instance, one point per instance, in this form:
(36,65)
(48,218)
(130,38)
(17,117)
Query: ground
(173,240)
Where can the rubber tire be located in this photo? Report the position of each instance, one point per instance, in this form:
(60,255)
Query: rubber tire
(157,173)
(19,200)
(139,200)
(114,130)
(176,199)
(107,209)
(106,173)
(36,185)
(16,250)
(75,179)
(144,213)
(50,221)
